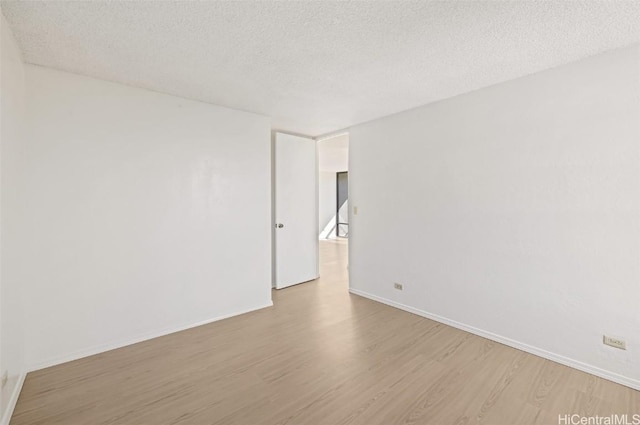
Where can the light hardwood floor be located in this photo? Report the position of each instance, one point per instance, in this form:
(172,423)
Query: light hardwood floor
(319,356)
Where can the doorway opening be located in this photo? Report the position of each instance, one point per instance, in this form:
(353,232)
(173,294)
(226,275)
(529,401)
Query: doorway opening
(333,187)
(342,204)
(333,209)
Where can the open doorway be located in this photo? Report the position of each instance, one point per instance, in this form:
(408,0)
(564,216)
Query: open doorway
(333,209)
(333,204)
(342,204)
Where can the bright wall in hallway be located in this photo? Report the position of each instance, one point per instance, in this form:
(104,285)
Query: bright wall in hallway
(327,201)
(142,214)
(333,157)
(512,211)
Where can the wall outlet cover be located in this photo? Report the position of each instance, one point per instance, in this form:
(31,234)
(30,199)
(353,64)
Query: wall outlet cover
(614,342)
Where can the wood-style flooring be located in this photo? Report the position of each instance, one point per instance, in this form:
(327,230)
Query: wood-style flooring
(319,356)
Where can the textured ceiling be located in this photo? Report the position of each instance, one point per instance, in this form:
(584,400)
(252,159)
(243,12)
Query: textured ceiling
(315,66)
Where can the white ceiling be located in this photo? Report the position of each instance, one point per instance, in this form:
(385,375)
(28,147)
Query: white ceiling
(316,67)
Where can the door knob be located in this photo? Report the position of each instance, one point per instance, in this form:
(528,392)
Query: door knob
(279,225)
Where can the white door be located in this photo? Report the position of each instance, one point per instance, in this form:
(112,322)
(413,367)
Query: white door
(296,210)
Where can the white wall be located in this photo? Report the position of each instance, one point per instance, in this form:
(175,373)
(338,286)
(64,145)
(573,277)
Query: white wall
(11,135)
(513,211)
(143,214)
(327,201)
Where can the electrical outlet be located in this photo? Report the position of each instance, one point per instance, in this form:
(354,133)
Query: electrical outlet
(5,378)
(614,342)
(398,286)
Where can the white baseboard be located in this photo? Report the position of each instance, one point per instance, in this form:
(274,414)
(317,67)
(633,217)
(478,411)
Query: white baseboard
(602,373)
(119,344)
(13,399)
